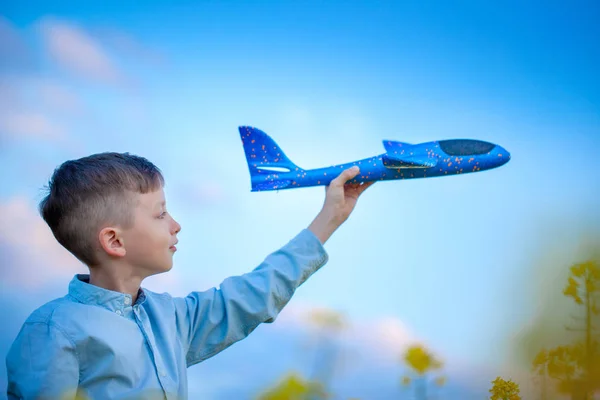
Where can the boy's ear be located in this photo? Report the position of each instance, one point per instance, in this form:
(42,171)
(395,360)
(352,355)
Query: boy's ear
(111,241)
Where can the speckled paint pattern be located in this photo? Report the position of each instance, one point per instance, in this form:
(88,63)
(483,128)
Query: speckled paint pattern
(271,169)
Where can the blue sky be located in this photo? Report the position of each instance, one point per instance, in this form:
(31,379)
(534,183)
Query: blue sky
(444,258)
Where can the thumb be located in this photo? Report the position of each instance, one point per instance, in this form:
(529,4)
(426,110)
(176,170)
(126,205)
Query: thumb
(346,175)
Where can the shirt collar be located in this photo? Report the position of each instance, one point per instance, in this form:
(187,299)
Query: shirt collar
(86,293)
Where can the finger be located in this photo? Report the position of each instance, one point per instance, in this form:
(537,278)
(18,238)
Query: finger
(346,175)
(352,186)
(364,187)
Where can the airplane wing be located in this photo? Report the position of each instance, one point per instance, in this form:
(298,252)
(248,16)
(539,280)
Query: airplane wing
(394,145)
(402,155)
(407,161)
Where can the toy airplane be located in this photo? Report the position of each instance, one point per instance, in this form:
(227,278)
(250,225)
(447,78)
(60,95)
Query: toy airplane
(271,169)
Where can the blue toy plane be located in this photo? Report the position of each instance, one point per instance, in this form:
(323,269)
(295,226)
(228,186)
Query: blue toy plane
(271,169)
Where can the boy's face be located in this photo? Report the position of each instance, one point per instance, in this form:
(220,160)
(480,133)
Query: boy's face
(150,242)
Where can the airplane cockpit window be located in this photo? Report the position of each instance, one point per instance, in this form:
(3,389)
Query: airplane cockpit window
(465,147)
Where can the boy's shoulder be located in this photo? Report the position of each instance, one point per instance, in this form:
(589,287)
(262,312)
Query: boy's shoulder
(52,310)
(67,308)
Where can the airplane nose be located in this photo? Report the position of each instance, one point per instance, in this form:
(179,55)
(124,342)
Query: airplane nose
(503,155)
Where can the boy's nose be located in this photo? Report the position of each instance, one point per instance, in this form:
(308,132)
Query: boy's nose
(176,227)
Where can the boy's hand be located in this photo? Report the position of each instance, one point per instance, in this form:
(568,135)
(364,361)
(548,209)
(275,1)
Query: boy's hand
(341,197)
(340,200)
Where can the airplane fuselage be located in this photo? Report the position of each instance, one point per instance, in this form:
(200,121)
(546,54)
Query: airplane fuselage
(270,169)
(373,169)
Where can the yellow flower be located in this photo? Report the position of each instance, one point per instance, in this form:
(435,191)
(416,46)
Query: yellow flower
(420,359)
(504,390)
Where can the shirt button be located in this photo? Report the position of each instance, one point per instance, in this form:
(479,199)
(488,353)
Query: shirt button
(127,301)
(118,312)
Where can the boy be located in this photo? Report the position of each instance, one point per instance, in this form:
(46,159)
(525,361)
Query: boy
(108,338)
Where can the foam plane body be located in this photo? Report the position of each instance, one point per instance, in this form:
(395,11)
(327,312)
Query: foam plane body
(271,169)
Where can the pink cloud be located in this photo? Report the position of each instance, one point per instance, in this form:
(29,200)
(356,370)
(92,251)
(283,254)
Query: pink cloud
(31,124)
(9,96)
(38,110)
(129,46)
(58,97)
(18,121)
(21,116)
(209,193)
(35,107)
(205,193)
(78,52)
(35,257)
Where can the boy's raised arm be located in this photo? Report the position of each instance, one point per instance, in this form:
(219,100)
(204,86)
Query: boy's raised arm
(210,321)
(42,364)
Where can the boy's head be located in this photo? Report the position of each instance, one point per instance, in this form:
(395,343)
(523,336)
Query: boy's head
(108,207)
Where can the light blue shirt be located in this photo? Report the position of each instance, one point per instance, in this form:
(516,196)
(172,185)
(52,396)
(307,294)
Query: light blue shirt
(94,343)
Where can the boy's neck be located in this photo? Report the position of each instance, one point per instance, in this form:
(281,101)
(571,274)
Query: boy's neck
(124,284)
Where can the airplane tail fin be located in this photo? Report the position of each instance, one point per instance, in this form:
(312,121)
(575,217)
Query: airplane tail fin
(265,157)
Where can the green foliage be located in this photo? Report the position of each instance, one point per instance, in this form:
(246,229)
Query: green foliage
(574,368)
(569,367)
(584,285)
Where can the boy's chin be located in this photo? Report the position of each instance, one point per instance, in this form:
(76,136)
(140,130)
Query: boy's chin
(160,269)
(165,268)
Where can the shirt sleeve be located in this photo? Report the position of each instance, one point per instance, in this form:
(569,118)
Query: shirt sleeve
(42,364)
(211,321)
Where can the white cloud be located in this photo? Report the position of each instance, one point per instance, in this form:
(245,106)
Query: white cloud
(373,348)
(383,339)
